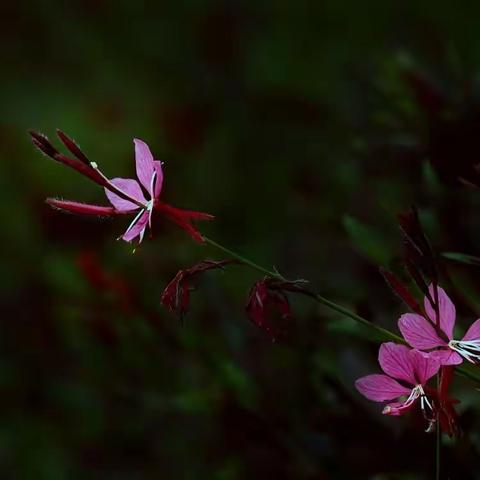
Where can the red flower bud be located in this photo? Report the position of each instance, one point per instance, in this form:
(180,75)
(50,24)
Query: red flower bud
(176,296)
(43,144)
(72,147)
(268,300)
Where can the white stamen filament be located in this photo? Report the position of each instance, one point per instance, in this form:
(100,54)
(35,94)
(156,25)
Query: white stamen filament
(152,184)
(425,402)
(468,349)
(416,393)
(134,221)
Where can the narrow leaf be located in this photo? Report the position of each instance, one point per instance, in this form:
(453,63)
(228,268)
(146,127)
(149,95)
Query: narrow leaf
(462,258)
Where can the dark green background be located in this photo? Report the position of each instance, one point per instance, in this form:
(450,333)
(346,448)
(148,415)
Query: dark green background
(296,125)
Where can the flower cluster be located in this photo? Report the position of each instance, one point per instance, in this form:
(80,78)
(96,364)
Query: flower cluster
(431,349)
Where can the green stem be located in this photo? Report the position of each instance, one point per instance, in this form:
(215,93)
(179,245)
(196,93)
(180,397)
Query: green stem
(348,313)
(244,260)
(461,370)
(319,298)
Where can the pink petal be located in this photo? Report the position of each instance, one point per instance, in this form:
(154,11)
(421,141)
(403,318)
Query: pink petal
(425,366)
(446,357)
(158,179)
(131,188)
(419,332)
(446,311)
(395,361)
(380,388)
(473,333)
(144,163)
(137,229)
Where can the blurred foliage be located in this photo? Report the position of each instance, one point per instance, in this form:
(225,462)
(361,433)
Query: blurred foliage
(304,127)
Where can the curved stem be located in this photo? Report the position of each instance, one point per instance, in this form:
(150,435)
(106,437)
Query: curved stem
(242,259)
(316,296)
(348,313)
(460,370)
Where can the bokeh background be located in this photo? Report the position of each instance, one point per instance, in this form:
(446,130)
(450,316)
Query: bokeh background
(305,127)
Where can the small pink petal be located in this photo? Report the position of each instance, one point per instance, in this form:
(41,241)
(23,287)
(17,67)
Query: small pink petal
(419,332)
(144,163)
(473,333)
(446,357)
(157,165)
(137,229)
(129,187)
(425,366)
(396,362)
(380,388)
(446,311)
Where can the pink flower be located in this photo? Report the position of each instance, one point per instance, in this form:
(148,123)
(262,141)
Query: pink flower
(424,333)
(127,195)
(150,176)
(411,367)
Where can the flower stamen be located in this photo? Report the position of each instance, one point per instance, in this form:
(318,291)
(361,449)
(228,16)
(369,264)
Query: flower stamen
(468,349)
(134,221)
(416,393)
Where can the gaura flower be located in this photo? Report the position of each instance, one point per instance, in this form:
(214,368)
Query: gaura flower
(424,333)
(400,364)
(150,176)
(126,195)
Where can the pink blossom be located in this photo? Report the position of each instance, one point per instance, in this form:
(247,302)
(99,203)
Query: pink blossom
(400,364)
(434,335)
(126,195)
(150,177)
